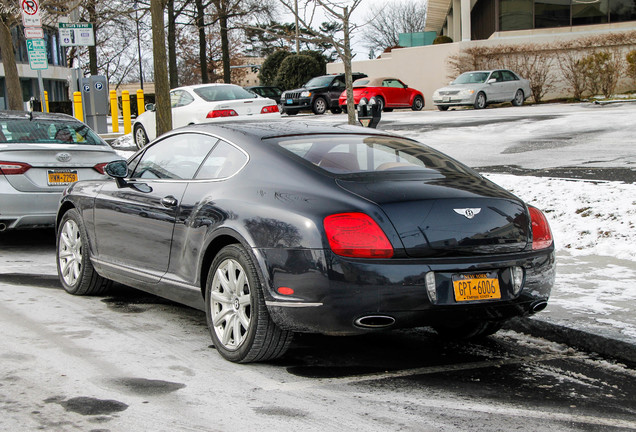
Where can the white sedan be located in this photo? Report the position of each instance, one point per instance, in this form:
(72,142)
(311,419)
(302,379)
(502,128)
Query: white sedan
(206,103)
(479,88)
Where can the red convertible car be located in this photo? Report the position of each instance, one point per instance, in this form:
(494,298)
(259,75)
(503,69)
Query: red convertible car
(388,92)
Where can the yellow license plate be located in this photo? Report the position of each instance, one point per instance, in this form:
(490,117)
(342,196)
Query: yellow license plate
(59,178)
(476,286)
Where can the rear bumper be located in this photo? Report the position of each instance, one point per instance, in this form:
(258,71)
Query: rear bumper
(27,209)
(332,293)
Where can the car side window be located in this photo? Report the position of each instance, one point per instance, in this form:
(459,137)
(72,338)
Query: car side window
(176,157)
(509,76)
(497,76)
(179,98)
(392,83)
(223,162)
(338,83)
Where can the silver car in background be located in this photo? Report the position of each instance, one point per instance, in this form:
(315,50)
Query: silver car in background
(41,154)
(480,88)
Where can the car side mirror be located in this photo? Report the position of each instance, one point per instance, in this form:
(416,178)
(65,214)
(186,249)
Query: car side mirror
(119,171)
(150,107)
(491,80)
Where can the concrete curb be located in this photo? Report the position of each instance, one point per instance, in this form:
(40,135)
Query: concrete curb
(590,342)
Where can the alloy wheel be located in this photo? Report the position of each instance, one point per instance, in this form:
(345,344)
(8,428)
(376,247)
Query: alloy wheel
(230,304)
(70,252)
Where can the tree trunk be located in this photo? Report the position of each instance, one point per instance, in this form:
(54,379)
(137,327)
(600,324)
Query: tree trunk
(162,86)
(351,111)
(12,79)
(92,50)
(203,51)
(172,46)
(225,46)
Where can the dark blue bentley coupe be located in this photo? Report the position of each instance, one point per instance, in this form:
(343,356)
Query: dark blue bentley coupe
(290,227)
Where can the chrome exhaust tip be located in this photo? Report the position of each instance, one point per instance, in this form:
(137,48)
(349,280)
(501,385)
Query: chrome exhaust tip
(2,227)
(375,321)
(538,306)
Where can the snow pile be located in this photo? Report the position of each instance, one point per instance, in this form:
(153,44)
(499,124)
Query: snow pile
(586,217)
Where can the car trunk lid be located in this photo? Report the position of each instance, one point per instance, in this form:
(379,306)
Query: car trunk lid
(77,160)
(442,216)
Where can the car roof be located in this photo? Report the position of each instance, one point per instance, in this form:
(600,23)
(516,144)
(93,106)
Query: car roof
(376,81)
(36,115)
(196,86)
(272,129)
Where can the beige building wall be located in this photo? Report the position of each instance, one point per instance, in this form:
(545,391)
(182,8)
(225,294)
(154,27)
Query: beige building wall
(427,68)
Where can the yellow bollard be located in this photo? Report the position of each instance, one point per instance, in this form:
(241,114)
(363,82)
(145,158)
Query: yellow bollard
(140,102)
(46,101)
(125,107)
(114,112)
(77,106)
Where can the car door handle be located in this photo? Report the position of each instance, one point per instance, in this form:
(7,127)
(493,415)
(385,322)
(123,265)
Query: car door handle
(169,201)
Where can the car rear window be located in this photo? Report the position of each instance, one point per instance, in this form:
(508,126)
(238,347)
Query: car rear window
(26,131)
(355,154)
(215,93)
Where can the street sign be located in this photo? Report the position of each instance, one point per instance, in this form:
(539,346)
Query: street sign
(33,33)
(31,13)
(36,49)
(76,34)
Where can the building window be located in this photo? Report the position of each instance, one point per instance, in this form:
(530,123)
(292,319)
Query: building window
(515,14)
(589,12)
(551,13)
(622,10)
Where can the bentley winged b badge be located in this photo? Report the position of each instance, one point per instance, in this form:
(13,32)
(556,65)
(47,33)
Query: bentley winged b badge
(468,212)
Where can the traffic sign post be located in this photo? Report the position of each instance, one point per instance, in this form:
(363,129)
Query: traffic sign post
(76,34)
(38,60)
(31,13)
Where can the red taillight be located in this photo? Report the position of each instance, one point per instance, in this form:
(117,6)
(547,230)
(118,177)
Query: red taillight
(100,167)
(12,168)
(356,235)
(269,109)
(221,113)
(541,234)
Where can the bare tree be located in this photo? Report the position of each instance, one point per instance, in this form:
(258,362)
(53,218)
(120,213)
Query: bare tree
(162,84)
(386,22)
(339,10)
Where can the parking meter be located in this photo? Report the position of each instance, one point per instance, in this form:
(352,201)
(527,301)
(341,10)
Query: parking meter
(96,98)
(369,114)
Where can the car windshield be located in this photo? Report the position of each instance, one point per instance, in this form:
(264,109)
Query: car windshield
(320,81)
(49,131)
(354,154)
(215,93)
(471,78)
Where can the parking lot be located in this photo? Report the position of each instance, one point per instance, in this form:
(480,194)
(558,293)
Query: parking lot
(132,361)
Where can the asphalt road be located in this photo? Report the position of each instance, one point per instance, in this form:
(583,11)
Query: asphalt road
(132,361)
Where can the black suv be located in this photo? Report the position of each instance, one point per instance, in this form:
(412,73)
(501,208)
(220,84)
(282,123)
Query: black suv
(319,94)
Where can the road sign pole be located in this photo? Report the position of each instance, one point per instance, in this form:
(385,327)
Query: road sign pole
(41,85)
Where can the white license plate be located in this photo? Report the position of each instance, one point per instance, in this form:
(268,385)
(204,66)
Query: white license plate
(290,101)
(446,99)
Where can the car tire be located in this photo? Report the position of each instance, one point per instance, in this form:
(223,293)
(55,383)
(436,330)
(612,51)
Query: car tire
(418,103)
(379,101)
(442,107)
(319,106)
(74,267)
(291,112)
(238,320)
(336,110)
(469,330)
(343,108)
(480,101)
(141,138)
(519,98)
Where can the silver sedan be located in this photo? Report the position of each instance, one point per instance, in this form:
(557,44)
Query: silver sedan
(480,88)
(41,154)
